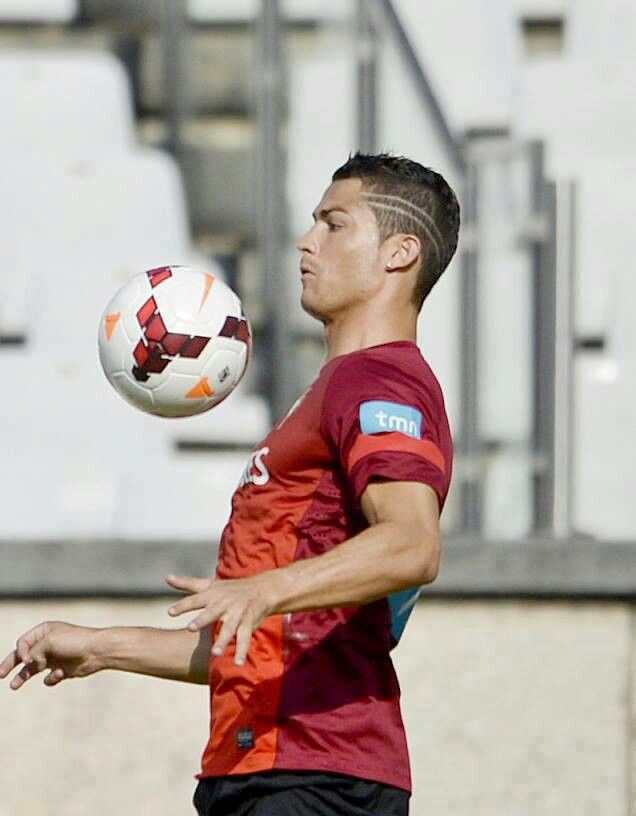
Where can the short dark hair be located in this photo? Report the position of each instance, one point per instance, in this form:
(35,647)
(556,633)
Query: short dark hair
(407,197)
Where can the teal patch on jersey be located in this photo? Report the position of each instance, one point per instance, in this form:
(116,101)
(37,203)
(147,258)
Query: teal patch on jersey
(401,605)
(378,416)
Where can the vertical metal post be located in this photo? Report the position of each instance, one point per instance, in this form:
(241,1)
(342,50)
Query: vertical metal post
(469,442)
(564,373)
(366,56)
(543,288)
(271,205)
(423,86)
(174,30)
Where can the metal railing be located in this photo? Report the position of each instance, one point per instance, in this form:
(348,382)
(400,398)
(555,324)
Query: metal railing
(563,204)
(422,84)
(271,206)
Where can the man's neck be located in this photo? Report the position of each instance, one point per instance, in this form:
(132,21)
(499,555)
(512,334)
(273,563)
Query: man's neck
(345,336)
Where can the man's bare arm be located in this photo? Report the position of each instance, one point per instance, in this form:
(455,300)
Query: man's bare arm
(68,651)
(400,549)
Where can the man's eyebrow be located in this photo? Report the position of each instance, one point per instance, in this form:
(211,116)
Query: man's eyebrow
(327,211)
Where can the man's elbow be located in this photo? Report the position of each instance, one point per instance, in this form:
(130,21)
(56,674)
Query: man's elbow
(430,573)
(429,552)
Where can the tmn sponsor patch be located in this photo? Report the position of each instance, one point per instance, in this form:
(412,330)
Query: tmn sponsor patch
(378,416)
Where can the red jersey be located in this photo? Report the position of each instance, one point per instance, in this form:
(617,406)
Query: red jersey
(318,690)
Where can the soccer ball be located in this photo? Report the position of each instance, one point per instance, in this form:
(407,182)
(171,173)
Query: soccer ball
(174,341)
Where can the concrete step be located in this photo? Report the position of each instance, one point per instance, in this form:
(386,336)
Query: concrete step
(57,37)
(213,12)
(138,13)
(220,68)
(125,45)
(38,12)
(218,73)
(217,162)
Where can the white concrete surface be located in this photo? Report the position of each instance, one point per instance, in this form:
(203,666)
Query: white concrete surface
(512,709)
(471,52)
(517,708)
(110,744)
(100,452)
(75,104)
(38,11)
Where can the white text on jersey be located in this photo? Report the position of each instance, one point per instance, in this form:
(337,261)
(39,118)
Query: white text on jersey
(255,471)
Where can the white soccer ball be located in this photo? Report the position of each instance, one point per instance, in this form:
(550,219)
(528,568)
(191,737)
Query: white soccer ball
(174,341)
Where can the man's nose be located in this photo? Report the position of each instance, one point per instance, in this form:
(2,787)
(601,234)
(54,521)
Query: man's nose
(308,242)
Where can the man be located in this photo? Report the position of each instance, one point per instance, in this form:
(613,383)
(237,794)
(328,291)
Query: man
(334,526)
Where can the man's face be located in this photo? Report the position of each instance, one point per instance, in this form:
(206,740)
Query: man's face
(340,265)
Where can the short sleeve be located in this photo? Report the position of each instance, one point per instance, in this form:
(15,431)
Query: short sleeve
(383,422)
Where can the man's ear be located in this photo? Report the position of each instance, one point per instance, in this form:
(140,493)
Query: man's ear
(403,251)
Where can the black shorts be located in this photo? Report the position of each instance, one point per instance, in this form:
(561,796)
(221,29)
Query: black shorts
(298,793)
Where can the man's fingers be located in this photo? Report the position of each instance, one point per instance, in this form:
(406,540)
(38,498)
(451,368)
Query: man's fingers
(243,639)
(197,601)
(29,639)
(22,650)
(206,617)
(211,611)
(9,663)
(54,677)
(187,583)
(19,680)
(226,633)
(26,673)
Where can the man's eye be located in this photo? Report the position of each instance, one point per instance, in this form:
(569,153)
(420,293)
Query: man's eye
(333,227)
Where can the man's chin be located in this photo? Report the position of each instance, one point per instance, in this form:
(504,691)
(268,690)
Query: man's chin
(311,308)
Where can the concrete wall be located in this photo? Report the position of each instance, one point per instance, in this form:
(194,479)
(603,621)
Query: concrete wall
(519,708)
(512,707)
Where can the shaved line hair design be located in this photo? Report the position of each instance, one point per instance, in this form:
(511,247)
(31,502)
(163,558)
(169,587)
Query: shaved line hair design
(408,198)
(401,207)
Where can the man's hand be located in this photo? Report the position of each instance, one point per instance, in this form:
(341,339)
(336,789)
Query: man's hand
(241,605)
(66,650)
